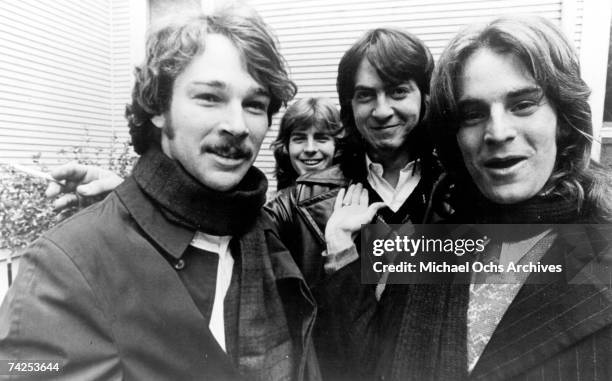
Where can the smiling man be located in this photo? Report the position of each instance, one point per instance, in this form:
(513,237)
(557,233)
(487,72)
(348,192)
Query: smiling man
(175,275)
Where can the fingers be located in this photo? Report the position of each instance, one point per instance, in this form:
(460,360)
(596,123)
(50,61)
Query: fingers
(339,199)
(66,201)
(70,172)
(375,207)
(364,198)
(53,189)
(356,195)
(100,186)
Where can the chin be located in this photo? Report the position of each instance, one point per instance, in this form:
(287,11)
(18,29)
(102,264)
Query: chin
(507,195)
(222,181)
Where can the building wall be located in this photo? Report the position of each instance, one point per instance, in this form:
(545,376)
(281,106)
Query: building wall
(313,34)
(63,76)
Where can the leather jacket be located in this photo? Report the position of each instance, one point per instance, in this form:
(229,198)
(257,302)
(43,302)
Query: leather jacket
(300,214)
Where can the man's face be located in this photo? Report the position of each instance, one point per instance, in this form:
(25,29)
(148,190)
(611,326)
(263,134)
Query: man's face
(384,115)
(507,134)
(217,118)
(310,150)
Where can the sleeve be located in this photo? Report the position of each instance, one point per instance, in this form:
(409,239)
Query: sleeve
(348,321)
(279,209)
(51,313)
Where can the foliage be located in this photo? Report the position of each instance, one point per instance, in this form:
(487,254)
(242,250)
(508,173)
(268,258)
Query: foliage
(25,212)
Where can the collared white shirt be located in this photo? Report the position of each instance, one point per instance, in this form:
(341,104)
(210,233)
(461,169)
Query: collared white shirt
(394,198)
(219,245)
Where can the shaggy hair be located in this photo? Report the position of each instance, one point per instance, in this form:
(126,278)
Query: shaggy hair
(320,113)
(553,63)
(170,49)
(397,57)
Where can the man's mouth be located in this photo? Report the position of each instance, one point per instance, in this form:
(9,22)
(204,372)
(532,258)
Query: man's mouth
(311,162)
(503,162)
(232,152)
(384,127)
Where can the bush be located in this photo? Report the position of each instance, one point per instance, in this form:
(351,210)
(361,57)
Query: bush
(25,212)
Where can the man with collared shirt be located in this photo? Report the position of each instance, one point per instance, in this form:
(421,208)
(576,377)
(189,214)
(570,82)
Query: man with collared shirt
(178,274)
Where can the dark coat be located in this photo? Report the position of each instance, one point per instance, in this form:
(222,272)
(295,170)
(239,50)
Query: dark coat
(97,294)
(558,327)
(345,320)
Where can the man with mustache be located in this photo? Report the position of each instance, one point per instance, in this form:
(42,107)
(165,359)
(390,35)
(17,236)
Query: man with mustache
(383,89)
(177,274)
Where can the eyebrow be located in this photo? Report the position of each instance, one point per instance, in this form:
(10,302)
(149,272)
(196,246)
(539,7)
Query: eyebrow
(362,88)
(258,90)
(524,91)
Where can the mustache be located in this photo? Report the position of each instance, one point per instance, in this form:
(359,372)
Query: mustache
(231,150)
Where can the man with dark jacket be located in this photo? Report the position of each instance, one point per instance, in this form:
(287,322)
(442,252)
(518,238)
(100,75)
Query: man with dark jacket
(178,274)
(383,87)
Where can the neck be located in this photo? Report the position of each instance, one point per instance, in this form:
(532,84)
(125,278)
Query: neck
(392,163)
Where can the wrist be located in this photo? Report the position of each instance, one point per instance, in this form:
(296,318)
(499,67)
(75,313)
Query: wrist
(338,240)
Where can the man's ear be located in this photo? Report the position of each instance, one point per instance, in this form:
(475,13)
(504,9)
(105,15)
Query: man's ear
(159,121)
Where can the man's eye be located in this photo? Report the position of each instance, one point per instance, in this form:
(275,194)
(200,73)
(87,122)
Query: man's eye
(472,117)
(363,96)
(524,108)
(208,98)
(399,92)
(322,138)
(257,107)
(297,138)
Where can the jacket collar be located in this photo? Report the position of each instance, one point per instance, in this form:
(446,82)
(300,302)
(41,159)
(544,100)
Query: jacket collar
(545,319)
(329,176)
(174,238)
(171,237)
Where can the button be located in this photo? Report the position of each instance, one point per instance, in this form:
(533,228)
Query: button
(179,265)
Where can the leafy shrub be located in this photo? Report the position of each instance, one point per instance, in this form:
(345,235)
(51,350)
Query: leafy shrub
(25,212)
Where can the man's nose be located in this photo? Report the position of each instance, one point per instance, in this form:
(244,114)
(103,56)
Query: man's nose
(310,145)
(235,123)
(500,127)
(382,110)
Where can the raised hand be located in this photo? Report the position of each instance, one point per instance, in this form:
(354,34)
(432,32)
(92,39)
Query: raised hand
(351,210)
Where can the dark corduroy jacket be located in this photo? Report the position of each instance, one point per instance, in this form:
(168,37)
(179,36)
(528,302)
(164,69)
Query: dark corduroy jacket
(96,294)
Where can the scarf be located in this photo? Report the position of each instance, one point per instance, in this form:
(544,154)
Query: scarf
(187,202)
(265,348)
(430,340)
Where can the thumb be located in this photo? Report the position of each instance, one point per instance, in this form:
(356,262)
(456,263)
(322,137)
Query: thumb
(375,207)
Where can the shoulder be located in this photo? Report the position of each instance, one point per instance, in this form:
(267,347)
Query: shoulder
(90,226)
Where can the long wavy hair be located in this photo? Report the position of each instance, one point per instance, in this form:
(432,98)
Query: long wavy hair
(553,63)
(171,48)
(320,113)
(397,57)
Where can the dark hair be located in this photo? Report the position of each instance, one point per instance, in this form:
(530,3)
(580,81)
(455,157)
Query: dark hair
(170,49)
(320,113)
(553,64)
(397,57)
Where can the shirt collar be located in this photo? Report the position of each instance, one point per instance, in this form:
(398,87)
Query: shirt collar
(377,168)
(213,243)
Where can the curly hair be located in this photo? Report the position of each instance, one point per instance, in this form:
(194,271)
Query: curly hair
(304,113)
(553,64)
(397,57)
(170,49)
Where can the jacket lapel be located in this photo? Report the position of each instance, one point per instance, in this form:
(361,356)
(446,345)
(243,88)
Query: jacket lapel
(552,313)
